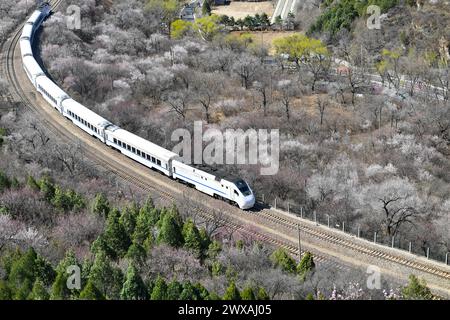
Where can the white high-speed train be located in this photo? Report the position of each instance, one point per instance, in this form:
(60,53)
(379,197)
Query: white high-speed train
(235,191)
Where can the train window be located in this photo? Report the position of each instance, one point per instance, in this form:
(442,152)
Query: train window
(115,140)
(133,149)
(149,158)
(128,147)
(143,155)
(158,162)
(174,169)
(139,153)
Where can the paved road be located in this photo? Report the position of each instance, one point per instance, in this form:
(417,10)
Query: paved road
(283,8)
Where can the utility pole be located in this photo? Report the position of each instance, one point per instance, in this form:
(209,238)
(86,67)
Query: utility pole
(299,244)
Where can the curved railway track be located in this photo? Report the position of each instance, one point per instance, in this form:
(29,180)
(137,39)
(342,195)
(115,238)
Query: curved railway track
(280,229)
(19,94)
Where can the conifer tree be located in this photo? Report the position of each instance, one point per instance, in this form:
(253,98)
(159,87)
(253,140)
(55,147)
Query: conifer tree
(192,238)
(133,287)
(170,231)
(262,294)
(39,292)
(91,292)
(281,259)
(159,291)
(59,290)
(174,290)
(306,266)
(107,278)
(100,205)
(248,294)
(232,292)
(115,234)
(128,219)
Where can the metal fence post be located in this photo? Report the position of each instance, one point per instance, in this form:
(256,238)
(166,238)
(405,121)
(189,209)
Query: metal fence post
(375,237)
(301,212)
(263,198)
(393,241)
(446,258)
(410,247)
(428,253)
(358,232)
(275,203)
(299,245)
(328,218)
(289,209)
(315,217)
(343,226)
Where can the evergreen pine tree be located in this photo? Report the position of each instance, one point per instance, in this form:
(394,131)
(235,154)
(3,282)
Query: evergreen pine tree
(100,205)
(44,271)
(39,292)
(91,292)
(262,294)
(47,188)
(133,287)
(136,253)
(306,266)
(189,292)
(59,289)
(159,291)
(22,274)
(170,231)
(174,290)
(128,219)
(192,238)
(416,289)
(5,291)
(143,224)
(31,182)
(232,292)
(5,183)
(105,277)
(281,259)
(248,294)
(115,234)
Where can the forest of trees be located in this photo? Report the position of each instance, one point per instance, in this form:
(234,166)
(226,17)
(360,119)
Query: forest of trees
(372,156)
(352,150)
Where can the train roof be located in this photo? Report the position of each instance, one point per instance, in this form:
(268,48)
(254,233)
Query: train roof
(32,66)
(51,87)
(85,113)
(27,31)
(143,145)
(34,17)
(25,47)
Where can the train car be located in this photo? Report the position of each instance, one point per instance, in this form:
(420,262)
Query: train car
(35,17)
(85,119)
(32,69)
(141,150)
(25,48)
(27,32)
(51,92)
(235,191)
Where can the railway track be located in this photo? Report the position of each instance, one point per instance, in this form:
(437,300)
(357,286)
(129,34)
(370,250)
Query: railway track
(286,225)
(18,94)
(292,225)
